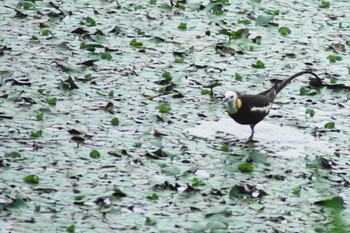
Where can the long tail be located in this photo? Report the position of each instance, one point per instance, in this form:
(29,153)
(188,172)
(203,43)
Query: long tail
(285,82)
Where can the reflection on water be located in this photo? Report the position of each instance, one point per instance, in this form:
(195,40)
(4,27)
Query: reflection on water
(287,140)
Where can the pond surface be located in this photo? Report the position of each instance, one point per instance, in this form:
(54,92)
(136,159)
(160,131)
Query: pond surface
(107,121)
(288,141)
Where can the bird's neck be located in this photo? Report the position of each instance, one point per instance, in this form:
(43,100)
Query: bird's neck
(231,107)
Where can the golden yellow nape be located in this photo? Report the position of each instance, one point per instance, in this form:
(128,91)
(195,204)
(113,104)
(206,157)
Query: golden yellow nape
(238,103)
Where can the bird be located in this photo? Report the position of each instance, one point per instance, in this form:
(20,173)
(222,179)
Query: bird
(250,109)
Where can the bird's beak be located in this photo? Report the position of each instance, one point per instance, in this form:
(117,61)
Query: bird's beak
(221,98)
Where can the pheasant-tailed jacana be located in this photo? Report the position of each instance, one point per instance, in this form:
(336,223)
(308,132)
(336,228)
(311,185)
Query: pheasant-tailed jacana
(251,109)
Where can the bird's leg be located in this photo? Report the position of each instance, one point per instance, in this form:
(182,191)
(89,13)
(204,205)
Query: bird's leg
(251,135)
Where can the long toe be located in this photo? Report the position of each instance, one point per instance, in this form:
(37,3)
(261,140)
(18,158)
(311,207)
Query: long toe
(250,140)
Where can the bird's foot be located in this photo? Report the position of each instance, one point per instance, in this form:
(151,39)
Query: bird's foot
(250,140)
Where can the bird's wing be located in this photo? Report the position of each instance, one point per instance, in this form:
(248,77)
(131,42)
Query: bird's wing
(270,93)
(255,101)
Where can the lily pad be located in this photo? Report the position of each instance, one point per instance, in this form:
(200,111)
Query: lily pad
(264,20)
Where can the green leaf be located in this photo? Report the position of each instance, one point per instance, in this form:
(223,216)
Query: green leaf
(334,203)
(257,40)
(164,7)
(237,191)
(111,94)
(44,25)
(90,46)
(236,35)
(153,197)
(13,155)
(225,147)
(37,208)
(304,91)
(238,77)
(71,229)
(259,65)
(349,70)
(272,12)
(19,14)
(106,56)
(95,154)
(244,21)
(46,32)
(26,5)
(88,77)
(79,197)
(164,108)
(90,21)
(325,4)
(197,182)
(310,112)
(137,144)
(284,31)
(118,193)
(264,20)
(52,101)
(257,157)
(213,84)
(40,91)
(334,58)
(159,153)
(245,167)
(333,80)
(297,191)
(215,8)
(206,92)
(307,91)
(8,73)
(153,2)
(31,179)
(150,222)
(316,163)
(40,116)
(115,121)
(242,33)
(166,75)
(68,85)
(329,125)
(136,44)
(36,134)
(182,26)
(180,60)
(140,32)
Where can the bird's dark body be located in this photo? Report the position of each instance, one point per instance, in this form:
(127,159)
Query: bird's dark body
(254,108)
(246,115)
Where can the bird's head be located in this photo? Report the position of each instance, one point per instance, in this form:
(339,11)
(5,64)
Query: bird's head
(230,96)
(233,102)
